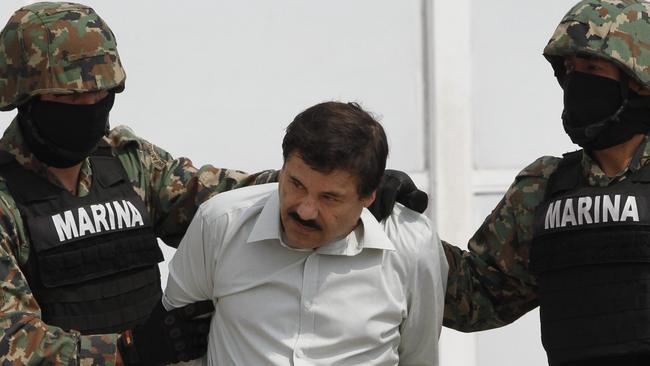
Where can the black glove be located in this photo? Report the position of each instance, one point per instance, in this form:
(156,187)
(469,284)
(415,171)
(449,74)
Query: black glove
(397,186)
(168,336)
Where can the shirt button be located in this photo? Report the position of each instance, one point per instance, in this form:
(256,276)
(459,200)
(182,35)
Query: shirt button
(299,353)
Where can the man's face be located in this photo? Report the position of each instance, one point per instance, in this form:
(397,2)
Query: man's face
(600,67)
(77,98)
(62,130)
(594,66)
(317,208)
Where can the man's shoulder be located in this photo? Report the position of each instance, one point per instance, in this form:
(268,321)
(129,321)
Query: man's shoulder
(11,223)
(122,136)
(543,167)
(124,140)
(409,231)
(7,202)
(530,184)
(417,246)
(137,154)
(237,200)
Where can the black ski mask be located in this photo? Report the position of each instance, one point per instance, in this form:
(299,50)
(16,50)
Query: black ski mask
(61,135)
(600,112)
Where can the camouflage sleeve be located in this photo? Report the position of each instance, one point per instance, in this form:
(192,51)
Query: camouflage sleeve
(490,286)
(173,189)
(24,338)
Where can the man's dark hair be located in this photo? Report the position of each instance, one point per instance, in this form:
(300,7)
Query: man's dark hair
(334,135)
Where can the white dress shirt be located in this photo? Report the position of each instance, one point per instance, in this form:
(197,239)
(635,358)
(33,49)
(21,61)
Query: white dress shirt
(375,297)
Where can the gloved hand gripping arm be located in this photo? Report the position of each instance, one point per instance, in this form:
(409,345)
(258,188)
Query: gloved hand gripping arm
(168,336)
(397,186)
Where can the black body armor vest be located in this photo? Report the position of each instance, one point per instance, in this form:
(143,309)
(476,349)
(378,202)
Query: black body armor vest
(591,252)
(93,261)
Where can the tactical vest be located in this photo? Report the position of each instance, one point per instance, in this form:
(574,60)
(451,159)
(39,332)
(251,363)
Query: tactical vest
(93,261)
(591,252)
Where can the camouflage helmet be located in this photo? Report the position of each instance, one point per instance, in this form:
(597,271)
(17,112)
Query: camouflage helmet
(615,30)
(56,48)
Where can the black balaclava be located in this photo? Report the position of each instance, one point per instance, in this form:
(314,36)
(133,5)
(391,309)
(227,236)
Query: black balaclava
(61,135)
(600,112)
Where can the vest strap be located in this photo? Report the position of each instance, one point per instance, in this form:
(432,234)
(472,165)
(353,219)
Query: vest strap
(567,175)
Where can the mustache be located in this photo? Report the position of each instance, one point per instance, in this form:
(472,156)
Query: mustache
(309,223)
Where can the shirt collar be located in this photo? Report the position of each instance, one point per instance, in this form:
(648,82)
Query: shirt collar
(369,234)
(267,226)
(596,176)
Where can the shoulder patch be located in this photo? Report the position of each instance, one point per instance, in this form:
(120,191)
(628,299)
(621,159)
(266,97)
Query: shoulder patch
(156,159)
(122,137)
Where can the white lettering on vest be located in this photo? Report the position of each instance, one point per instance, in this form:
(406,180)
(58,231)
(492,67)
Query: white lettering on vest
(611,208)
(567,215)
(122,212)
(135,214)
(66,228)
(111,215)
(105,217)
(630,210)
(99,217)
(591,210)
(85,224)
(584,205)
(553,215)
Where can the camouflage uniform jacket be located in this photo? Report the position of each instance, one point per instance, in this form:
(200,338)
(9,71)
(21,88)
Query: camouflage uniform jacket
(490,285)
(172,189)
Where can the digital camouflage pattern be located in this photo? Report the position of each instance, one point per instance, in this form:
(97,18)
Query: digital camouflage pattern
(172,189)
(56,48)
(615,30)
(491,285)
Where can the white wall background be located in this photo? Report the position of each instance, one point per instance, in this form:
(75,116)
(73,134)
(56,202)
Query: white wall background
(497,108)
(461,88)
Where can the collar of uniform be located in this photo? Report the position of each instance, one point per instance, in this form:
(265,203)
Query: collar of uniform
(596,176)
(644,154)
(13,142)
(368,235)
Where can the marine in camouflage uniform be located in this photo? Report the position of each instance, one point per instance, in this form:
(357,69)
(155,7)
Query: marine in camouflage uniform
(493,283)
(62,48)
(172,190)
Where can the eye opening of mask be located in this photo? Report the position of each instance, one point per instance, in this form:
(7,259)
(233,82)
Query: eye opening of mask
(62,134)
(558,63)
(77,97)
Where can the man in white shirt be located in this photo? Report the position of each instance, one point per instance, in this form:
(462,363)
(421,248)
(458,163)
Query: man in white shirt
(301,273)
